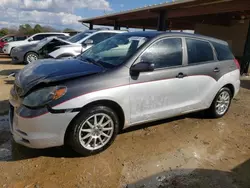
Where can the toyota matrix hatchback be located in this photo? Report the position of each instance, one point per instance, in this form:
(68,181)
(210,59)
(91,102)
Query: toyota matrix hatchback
(129,79)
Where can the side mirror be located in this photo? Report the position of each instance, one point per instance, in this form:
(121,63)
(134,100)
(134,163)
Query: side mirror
(31,39)
(143,67)
(89,42)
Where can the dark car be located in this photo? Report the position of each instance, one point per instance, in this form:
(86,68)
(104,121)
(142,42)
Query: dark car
(128,79)
(31,52)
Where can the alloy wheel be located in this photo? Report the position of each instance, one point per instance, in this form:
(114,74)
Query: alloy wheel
(222,103)
(96,131)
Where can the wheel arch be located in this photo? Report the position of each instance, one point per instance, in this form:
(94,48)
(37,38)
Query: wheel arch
(109,103)
(24,57)
(231,88)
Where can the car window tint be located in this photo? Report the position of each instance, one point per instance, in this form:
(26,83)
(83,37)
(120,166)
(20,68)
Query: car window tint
(40,37)
(99,37)
(9,39)
(18,38)
(164,53)
(199,51)
(223,52)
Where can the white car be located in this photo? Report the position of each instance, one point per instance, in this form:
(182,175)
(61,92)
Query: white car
(81,42)
(31,40)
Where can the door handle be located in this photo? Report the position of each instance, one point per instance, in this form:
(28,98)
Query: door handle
(216,69)
(181,75)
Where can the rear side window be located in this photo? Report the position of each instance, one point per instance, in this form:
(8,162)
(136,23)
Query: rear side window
(199,51)
(223,52)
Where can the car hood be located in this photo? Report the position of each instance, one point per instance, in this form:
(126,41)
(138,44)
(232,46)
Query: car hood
(50,70)
(71,45)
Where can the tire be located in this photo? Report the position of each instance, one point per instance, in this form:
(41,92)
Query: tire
(30,57)
(80,129)
(213,111)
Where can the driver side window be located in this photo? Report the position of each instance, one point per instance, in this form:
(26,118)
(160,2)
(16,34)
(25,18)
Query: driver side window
(164,53)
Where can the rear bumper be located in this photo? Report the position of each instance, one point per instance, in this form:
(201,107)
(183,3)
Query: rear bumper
(45,131)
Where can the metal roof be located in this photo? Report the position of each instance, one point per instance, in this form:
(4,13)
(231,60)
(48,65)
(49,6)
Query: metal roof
(151,7)
(180,14)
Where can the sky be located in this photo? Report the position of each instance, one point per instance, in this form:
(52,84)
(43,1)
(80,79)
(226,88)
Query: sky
(62,13)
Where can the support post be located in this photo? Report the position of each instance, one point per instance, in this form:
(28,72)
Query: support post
(90,26)
(246,59)
(162,20)
(116,26)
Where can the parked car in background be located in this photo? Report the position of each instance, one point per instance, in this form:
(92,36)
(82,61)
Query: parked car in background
(31,40)
(32,52)
(129,79)
(81,42)
(11,38)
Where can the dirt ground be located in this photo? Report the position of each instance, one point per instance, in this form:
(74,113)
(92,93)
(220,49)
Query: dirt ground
(188,151)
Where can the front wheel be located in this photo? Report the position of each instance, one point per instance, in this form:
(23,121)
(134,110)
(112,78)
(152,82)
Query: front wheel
(221,103)
(94,130)
(30,57)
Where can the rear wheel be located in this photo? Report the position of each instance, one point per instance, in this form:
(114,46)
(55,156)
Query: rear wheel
(221,103)
(94,130)
(30,57)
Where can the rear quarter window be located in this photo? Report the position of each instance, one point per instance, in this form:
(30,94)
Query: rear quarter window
(199,51)
(223,52)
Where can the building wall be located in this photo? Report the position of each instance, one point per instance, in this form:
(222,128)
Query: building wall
(235,35)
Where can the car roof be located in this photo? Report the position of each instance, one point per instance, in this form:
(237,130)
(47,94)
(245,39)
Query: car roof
(159,34)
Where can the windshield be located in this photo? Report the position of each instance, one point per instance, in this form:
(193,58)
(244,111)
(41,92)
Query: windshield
(43,42)
(79,36)
(113,51)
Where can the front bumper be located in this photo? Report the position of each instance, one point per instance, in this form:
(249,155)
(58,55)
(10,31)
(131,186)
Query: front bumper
(17,57)
(44,131)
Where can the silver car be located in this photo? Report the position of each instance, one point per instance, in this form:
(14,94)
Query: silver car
(81,42)
(129,79)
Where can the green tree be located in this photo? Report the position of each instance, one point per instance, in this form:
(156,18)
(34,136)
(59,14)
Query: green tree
(26,29)
(38,29)
(4,31)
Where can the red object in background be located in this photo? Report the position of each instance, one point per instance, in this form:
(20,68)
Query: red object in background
(9,38)
(2,43)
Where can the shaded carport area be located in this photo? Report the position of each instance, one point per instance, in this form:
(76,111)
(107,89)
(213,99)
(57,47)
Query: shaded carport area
(224,19)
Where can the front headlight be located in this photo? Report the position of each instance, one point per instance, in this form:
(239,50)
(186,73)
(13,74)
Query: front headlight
(6,45)
(41,97)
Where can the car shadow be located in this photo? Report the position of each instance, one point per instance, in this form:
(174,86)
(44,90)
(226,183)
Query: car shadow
(8,72)
(196,178)
(195,115)
(245,84)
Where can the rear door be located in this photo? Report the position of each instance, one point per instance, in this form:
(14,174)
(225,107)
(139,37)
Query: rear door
(203,72)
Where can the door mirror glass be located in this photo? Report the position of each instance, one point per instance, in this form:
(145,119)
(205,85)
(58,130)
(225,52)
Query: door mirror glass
(30,39)
(143,67)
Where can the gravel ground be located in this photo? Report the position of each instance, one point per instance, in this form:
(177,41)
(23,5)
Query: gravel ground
(188,151)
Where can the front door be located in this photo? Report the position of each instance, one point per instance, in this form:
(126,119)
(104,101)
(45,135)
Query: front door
(163,92)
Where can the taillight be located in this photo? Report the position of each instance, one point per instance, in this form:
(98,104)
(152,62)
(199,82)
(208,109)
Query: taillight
(237,63)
